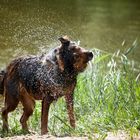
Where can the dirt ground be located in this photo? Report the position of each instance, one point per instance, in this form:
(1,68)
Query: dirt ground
(110,136)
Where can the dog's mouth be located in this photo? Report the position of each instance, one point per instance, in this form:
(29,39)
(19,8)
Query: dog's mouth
(80,68)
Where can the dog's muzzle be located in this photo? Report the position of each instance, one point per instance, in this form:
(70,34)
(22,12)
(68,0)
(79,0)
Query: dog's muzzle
(90,56)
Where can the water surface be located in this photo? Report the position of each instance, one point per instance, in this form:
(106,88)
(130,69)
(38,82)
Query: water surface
(29,27)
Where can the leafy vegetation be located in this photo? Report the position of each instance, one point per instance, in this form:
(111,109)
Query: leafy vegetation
(107,98)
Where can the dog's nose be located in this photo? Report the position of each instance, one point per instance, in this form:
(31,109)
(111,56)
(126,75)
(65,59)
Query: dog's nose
(90,56)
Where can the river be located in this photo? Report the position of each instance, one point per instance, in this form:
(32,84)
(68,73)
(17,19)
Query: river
(29,27)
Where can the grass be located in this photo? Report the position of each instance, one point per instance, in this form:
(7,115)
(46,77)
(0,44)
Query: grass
(107,98)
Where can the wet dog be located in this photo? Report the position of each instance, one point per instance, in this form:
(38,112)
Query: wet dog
(46,77)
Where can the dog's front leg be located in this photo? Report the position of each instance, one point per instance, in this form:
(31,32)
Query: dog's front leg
(69,103)
(44,116)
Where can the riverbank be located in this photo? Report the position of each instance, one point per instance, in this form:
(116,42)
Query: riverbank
(120,135)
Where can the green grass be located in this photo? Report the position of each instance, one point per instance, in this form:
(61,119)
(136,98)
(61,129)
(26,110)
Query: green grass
(107,98)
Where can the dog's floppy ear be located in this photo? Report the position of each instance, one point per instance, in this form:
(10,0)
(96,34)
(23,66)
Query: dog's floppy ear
(60,62)
(64,41)
(63,50)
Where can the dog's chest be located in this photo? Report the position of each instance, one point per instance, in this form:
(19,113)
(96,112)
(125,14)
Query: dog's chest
(55,83)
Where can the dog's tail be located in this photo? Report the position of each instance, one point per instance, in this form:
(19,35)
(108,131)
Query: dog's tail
(2,75)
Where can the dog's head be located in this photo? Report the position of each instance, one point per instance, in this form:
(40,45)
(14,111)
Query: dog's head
(71,57)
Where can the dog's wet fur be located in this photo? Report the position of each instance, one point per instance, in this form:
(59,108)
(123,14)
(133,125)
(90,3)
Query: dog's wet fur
(46,77)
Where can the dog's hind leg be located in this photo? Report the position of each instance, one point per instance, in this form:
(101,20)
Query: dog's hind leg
(10,104)
(28,107)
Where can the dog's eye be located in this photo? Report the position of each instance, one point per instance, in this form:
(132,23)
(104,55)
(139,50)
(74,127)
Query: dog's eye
(76,56)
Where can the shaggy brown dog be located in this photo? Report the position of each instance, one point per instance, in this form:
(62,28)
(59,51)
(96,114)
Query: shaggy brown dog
(46,77)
